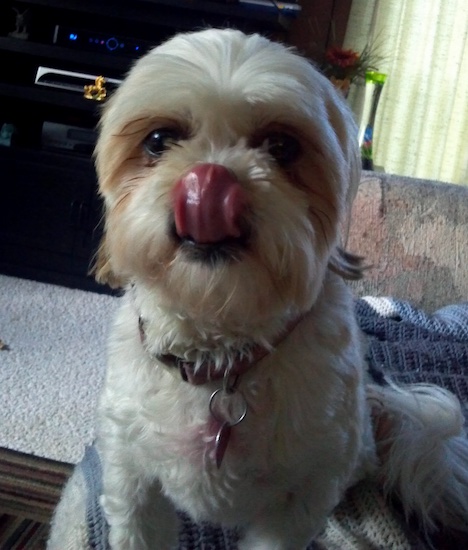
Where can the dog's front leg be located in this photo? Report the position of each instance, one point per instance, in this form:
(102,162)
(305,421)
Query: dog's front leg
(290,524)
(140,517)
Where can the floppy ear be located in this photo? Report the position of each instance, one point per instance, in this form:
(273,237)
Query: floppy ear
(348,265)
(101,268)
(106,155)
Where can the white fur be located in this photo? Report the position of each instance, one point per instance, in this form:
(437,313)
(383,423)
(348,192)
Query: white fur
(307,435)
(428,461)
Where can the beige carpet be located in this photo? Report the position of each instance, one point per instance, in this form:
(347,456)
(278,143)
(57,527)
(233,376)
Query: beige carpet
(51,366)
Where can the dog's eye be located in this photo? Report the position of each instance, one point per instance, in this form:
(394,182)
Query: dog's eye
(282,147)
(159,141)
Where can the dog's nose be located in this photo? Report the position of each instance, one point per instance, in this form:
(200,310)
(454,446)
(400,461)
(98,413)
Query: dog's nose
(208,205)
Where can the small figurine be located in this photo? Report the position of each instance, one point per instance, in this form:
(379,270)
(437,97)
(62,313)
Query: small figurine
(96,91)
(21,25)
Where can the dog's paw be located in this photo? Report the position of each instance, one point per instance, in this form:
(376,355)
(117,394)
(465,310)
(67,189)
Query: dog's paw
(267,545)
(255,541)
(122,539)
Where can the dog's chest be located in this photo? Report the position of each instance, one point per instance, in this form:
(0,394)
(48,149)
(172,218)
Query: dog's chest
(211,438)
(300,418)
(269,453)
(277,406)
(268,426)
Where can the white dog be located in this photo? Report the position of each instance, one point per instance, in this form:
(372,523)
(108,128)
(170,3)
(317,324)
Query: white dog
(236,387)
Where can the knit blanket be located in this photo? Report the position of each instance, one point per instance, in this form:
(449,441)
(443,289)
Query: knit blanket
(411,346)
(407,345)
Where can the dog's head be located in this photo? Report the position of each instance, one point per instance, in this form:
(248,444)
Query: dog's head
(227,164)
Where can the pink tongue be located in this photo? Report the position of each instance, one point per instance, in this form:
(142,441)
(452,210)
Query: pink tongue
(208,204)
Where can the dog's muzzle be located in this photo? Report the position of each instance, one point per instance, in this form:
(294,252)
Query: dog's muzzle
(209,209)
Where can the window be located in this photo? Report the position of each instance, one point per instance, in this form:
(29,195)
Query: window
(422,119)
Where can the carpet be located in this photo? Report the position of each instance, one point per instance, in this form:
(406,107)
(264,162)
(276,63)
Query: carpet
(52,362)
(30,488)
(51,366)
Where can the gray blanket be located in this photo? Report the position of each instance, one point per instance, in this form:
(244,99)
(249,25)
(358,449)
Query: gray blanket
(405,344)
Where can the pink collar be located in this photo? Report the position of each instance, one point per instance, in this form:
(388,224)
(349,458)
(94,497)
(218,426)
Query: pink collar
(207,372)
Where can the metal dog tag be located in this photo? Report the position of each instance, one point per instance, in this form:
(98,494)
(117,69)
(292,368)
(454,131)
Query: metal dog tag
(221,442)
(228,407)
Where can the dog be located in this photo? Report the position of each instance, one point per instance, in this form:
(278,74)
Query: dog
(237,389)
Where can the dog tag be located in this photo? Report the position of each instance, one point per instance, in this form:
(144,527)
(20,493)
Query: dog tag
(221,442)
(229,408)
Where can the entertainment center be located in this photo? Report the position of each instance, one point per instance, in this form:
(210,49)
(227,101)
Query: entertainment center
(49,50)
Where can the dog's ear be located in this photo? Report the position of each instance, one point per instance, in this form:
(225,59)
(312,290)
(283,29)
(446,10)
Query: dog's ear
(101,268)
(347,265)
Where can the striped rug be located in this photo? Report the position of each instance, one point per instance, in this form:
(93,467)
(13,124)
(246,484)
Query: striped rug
(30,488)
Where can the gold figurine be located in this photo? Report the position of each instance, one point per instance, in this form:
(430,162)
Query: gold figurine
(96,91)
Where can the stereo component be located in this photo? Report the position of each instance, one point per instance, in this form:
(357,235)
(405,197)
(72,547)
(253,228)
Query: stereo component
(71,138)
(99,41)
(69,80)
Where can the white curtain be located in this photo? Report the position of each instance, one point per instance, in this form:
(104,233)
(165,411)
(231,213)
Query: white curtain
(422,119)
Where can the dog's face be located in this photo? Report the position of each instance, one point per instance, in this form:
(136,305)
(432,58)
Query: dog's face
(227,164)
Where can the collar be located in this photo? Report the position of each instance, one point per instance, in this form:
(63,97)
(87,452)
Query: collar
(207,371)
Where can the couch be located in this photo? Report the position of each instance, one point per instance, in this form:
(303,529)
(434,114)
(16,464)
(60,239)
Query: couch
(414,236)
